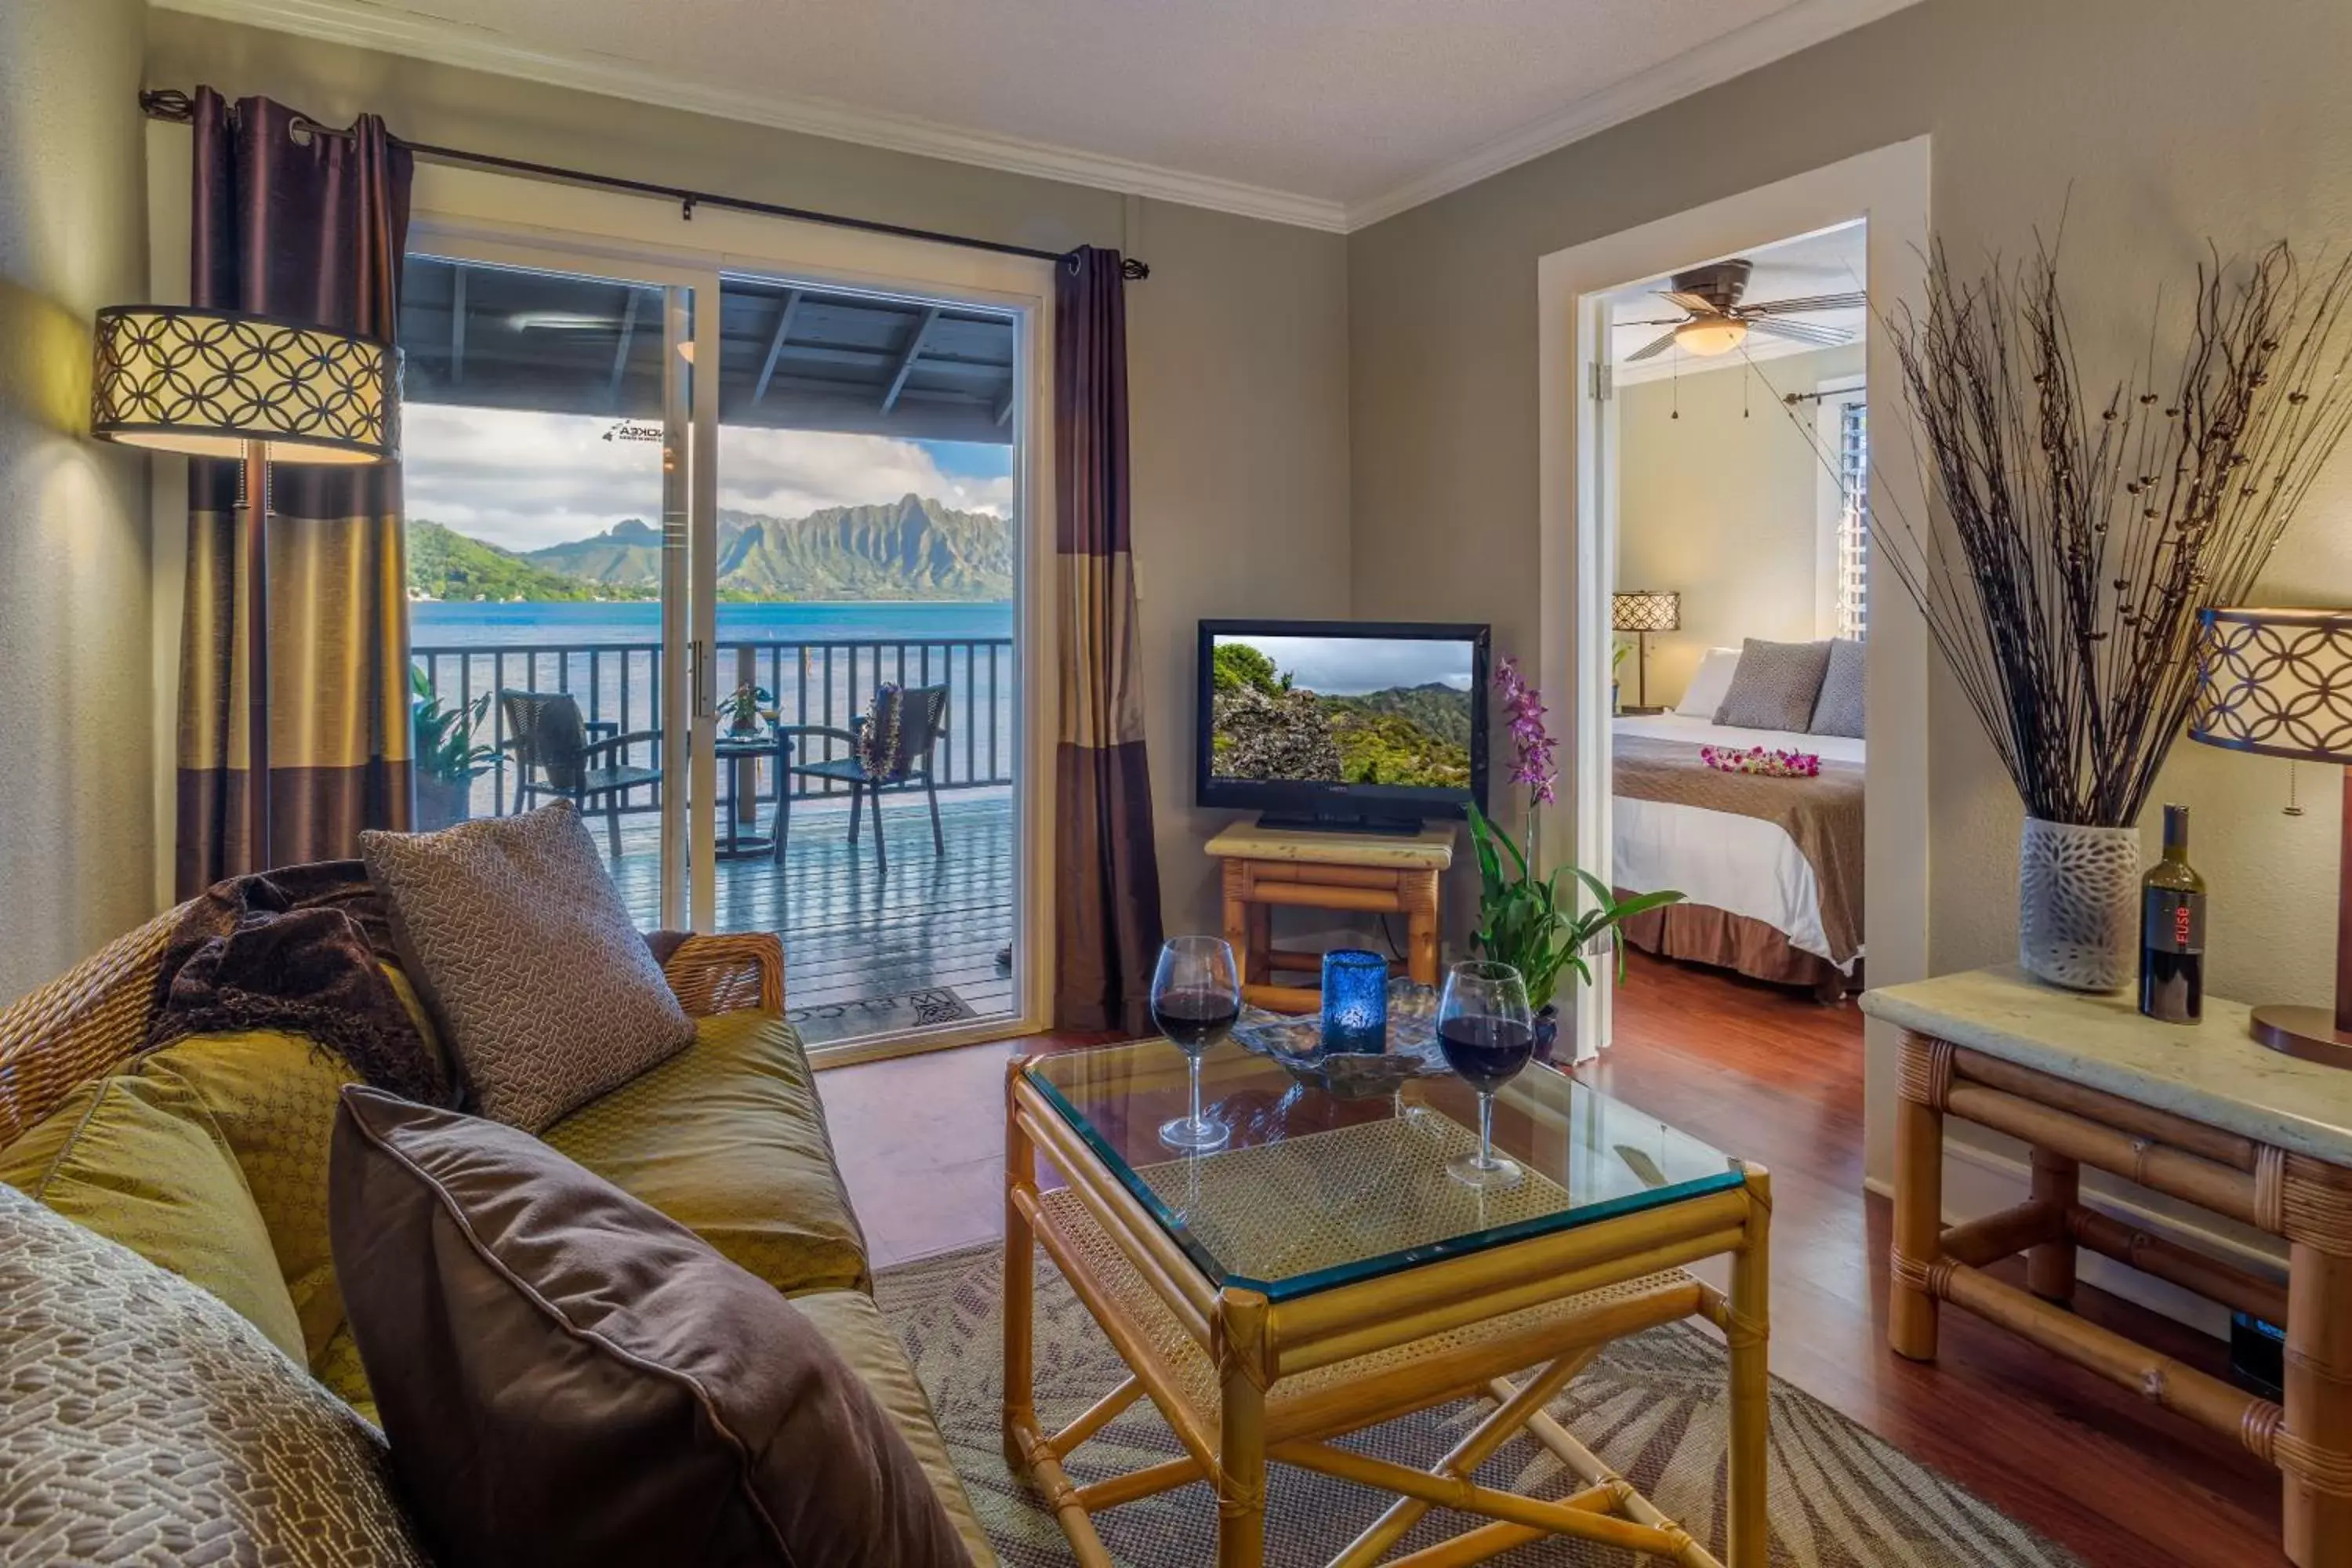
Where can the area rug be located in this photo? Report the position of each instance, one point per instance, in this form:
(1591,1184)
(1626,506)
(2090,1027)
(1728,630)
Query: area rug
(1651,1406)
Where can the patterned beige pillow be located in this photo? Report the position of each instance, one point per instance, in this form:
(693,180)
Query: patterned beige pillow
(523,950)
(143,1421)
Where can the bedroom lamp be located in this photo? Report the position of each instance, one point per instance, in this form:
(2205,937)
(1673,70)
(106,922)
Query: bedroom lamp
(2278,683)
(1641,612)
(227,384)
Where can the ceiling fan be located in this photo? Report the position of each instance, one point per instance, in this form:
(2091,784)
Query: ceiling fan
(1715,322)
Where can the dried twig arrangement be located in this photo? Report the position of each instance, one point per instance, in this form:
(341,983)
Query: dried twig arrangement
(2072,537)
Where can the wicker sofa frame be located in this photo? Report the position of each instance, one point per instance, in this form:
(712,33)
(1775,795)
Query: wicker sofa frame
(89,1020)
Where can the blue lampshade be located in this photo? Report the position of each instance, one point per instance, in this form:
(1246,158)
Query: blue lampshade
(1355,1001)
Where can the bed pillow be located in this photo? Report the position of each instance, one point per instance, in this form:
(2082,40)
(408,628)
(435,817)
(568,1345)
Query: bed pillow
(1705,693)
(1838,710)
(1775,686)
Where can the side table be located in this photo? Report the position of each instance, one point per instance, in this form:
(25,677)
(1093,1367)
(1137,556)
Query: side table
(1370,873)
(2199,1112)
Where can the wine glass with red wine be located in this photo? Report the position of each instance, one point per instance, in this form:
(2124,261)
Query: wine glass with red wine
(1488,1033)
(1196,998)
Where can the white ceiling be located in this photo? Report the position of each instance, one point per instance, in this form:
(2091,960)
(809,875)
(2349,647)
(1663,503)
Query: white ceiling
(1831,262)
(1332,113)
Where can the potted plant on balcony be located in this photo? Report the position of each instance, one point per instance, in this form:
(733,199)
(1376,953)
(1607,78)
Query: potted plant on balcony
(743,706)
(1529,921)
(447,760)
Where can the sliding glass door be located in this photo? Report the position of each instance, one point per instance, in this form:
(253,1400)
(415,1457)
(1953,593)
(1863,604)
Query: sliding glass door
(859,602)
(548,441)
(736,563)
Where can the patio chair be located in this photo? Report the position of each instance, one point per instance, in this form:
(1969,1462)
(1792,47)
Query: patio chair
(557,753)
(922,715)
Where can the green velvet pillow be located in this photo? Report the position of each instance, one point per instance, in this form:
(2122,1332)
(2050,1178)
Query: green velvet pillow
(140,1162)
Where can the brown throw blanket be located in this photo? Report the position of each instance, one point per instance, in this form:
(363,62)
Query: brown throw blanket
(1822,815)
(296,949)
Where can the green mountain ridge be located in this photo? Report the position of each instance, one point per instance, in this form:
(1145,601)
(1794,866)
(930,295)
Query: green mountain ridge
(913,548)
(445,564)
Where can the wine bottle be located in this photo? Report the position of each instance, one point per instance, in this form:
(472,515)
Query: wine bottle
(2172,929)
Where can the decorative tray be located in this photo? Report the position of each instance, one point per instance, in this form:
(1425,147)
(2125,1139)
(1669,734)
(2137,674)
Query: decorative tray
(1297,1042)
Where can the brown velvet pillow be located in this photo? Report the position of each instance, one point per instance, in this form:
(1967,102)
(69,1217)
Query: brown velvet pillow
(566,1376)
(521,945)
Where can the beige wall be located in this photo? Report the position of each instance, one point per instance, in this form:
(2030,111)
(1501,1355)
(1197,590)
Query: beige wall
(75,762)
(1237,347)
(1719,498)
(2169,120)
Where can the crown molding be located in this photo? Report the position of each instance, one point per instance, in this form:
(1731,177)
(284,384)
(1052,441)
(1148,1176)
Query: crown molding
(393,30)
(452,43)
(1783,33)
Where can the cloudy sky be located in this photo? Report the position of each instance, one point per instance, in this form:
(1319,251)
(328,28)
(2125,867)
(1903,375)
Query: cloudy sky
(1349,667)
(527,480)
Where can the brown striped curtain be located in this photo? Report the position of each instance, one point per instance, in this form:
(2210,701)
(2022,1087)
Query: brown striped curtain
(1107,901)
(300,221)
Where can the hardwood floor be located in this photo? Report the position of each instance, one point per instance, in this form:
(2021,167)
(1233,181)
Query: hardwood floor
(1776,1078)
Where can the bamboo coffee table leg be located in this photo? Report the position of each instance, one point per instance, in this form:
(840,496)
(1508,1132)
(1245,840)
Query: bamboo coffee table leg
(1241,1445)
(1020,1282)
(1750,1332)
(2319,1520)
(1918,1200)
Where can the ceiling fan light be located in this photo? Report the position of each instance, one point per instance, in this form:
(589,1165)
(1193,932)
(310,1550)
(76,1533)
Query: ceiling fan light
(1709,338)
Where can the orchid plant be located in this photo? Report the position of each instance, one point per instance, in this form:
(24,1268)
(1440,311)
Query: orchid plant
(1523,919)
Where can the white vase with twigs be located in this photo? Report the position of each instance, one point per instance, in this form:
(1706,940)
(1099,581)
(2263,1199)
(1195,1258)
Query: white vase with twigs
(2077,519)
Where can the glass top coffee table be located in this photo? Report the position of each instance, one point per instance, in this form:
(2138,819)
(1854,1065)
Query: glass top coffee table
(1323,1272)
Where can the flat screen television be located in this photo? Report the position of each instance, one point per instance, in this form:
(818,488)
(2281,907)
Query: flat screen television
(1348,725)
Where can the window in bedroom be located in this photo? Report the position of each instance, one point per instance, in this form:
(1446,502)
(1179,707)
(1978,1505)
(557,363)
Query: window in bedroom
(1853,517)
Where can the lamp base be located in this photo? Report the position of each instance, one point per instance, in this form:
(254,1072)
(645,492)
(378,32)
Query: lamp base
(2308,1033)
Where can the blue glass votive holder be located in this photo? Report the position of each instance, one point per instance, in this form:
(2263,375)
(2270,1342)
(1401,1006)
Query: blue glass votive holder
(1355,1001)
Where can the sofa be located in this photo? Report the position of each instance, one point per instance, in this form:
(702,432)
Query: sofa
(728,1138)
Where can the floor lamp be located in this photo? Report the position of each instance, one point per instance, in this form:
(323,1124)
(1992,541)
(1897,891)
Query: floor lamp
(1641,612)
(226,384)
(2278,683)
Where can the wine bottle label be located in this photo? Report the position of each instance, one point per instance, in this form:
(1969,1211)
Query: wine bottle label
(2173,921)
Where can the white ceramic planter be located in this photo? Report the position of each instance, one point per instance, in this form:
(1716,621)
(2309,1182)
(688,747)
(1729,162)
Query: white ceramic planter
(2078,904)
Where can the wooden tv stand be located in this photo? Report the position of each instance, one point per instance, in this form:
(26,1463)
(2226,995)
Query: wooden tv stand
(1368,873)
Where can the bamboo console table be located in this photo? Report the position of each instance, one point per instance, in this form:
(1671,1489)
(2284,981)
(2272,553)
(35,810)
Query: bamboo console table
(1325,1274)
(1372,873)
(2199,1112)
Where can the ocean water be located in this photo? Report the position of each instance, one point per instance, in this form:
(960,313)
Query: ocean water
(438,625)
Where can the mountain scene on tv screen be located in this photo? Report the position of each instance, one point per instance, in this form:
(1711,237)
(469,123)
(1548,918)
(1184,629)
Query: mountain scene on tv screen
(912,548)
(1341,710)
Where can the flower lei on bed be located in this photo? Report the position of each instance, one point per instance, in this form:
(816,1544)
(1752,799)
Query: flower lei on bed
(878,738)
(1765,760)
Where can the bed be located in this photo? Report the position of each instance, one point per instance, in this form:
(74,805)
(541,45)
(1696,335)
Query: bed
(1772,868)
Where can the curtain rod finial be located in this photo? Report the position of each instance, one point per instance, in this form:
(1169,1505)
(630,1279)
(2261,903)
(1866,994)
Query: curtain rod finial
(1134,271)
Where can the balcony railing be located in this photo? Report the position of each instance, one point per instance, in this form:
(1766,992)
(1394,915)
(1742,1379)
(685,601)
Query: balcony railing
(826,683)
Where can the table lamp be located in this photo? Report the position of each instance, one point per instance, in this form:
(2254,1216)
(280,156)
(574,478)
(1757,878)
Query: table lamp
(2279,683)
(227,384)
(1641,612)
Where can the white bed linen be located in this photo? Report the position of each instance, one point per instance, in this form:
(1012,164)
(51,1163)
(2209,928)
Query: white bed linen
(1741,864)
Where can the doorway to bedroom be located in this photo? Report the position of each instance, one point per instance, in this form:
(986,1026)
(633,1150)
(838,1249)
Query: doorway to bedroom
(1710,385)
(1733,467)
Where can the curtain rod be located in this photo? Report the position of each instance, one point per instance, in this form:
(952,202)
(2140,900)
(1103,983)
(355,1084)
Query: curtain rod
(177,106)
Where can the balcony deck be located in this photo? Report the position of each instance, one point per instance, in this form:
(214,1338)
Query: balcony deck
(866,955)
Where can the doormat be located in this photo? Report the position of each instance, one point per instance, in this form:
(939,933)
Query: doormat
(903,1014)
